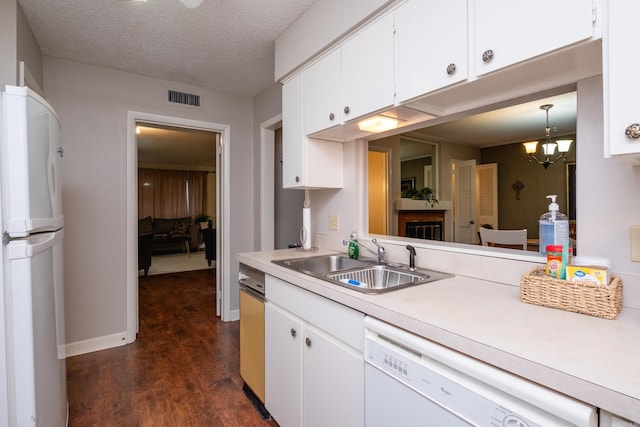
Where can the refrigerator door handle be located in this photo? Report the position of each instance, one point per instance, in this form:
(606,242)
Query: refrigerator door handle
(33,244)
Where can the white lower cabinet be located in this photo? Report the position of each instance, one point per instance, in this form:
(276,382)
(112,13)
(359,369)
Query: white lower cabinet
(314,366)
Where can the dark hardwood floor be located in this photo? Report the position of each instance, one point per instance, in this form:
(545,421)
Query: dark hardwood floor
(183,369)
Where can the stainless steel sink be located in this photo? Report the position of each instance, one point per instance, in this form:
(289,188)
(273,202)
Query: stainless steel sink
(323,263)
(363,275)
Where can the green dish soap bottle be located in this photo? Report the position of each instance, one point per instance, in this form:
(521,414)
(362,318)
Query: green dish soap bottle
(353,250)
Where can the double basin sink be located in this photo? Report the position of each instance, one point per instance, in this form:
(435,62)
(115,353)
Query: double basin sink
(364,275)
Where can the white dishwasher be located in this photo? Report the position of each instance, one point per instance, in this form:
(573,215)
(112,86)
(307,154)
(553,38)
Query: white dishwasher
(411,381)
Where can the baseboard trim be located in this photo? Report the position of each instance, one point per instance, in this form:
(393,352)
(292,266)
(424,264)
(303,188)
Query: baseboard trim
(95,344)
(234,315)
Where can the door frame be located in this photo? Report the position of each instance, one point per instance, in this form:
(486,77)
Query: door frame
(223,266)
(267,181)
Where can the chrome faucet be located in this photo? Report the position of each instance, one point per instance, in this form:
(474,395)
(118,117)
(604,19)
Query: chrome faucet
(379,252)
(412,257)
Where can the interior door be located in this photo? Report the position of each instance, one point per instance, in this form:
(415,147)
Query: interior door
(464,196)
(378,192)
(487,195)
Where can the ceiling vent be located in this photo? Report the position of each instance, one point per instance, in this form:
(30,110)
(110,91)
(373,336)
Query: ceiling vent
(184,98)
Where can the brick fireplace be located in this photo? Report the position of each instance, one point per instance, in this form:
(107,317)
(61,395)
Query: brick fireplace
(427,224)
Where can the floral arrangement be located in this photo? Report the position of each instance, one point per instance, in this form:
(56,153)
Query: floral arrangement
(425,194)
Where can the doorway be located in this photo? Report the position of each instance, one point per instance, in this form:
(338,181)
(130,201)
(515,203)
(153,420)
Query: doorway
(288,204)
(176,196)
(378,191)
(222,216)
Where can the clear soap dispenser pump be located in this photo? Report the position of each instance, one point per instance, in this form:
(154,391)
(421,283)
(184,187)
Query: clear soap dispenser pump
(554,226)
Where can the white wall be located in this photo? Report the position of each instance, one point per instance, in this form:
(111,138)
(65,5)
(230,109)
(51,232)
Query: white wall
(344,202)
(92,103)
(607,194)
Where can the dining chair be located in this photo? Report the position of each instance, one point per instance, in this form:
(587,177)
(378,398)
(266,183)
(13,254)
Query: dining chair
(515,239)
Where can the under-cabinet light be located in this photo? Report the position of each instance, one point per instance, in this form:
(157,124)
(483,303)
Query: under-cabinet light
(378,124)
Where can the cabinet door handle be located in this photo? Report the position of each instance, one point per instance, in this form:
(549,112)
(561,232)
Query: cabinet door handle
(331,116)
(451,69)
(347,109)
(293,332)
(308,342)
(632,131)
(487,55)
(297,179)
(472,222)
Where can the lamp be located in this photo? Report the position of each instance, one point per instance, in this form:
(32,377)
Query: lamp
(549,147)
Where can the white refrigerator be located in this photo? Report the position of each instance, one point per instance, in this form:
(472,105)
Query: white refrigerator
(33,389)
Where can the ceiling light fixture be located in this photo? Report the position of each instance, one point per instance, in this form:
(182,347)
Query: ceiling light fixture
(377,124)
(549,147)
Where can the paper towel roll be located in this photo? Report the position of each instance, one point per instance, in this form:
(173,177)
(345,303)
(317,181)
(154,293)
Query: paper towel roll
(305,233)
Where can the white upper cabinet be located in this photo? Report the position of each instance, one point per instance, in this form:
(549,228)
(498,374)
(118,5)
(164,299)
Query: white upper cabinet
(620,76)
(431,46)
(306,162)
(292,136)
(353,80)
(366,70)
(322,94)
(508,31)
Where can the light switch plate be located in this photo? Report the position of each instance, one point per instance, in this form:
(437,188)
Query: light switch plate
(635,243)
(333,222)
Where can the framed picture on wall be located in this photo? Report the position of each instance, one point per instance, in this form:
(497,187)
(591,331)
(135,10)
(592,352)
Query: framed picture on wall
(407,183)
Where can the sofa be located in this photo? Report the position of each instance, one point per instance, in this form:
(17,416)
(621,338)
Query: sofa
(171,234)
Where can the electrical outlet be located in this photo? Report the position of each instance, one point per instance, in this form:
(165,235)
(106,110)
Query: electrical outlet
(333,222)
(635,243)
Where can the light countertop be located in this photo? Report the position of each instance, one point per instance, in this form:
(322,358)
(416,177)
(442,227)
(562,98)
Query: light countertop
(591,359)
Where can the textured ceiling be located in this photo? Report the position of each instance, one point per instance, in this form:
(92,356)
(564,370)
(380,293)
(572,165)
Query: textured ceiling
(225,45)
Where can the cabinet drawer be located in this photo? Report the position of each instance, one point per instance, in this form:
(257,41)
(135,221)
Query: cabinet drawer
(335,319)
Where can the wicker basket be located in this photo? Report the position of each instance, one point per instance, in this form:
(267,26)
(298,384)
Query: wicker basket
(580,297)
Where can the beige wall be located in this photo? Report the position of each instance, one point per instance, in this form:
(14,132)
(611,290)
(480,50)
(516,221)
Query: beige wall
(92,103)
(8,42)
(17,43)
(29,52)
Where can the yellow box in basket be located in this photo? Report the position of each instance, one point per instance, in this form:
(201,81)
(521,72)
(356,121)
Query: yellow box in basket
(594,274)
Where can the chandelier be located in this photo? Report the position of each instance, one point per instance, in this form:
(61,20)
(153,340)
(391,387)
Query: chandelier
(549,147)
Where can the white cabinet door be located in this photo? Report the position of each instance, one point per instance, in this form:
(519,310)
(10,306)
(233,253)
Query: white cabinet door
(507,31)
(333,386)
(321,98)
(306,162)
(367,78)
(293,149)
(431,46)
(620,75)
(283,366)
